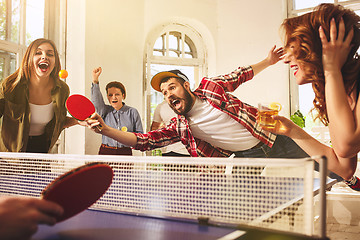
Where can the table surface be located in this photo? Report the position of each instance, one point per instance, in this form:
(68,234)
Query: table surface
(102,225)
(93,224)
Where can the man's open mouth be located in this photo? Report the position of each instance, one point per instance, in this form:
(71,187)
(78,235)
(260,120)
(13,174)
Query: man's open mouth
(175,103)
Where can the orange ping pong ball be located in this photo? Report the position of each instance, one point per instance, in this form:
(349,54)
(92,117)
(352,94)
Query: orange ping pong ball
(63,74)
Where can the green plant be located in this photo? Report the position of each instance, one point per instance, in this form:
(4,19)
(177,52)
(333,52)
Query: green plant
(298,118)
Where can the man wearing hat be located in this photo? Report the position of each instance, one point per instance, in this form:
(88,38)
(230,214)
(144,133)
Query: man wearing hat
(210,121)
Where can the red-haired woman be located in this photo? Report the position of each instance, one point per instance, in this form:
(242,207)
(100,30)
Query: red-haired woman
(321,49)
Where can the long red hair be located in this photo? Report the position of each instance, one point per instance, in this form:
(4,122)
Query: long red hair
(305,30)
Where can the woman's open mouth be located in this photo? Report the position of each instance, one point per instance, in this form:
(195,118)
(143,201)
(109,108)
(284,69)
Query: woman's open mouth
(43,66)
(295,68)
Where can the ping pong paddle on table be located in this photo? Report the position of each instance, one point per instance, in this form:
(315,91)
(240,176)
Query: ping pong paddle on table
(80,107)
(79,188)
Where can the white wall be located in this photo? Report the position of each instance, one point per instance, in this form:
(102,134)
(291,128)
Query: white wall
(246,32)
(112,34)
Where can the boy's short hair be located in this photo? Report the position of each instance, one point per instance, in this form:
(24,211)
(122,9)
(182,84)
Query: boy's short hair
(118,85)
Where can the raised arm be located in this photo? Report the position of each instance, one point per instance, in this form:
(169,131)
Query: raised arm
(230,82)
(96,96)
(274,55)
(343,111)
(95,74)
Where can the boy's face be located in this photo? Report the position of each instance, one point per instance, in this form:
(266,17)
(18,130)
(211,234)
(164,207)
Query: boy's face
(115,97)
(177,96)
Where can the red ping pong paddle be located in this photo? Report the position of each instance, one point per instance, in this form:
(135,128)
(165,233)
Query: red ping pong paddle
(80,107)
(79,188)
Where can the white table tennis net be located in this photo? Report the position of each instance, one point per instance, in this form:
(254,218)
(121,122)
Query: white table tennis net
(270,193)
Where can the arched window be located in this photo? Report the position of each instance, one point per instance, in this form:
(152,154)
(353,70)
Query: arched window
(179,45)
(175,46)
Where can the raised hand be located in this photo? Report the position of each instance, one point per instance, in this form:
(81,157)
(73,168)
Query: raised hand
(275,55)
(95,74)
(335,51)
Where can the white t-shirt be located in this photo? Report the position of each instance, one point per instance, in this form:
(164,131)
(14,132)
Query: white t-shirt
(163,113)
(219,129)
(40,115)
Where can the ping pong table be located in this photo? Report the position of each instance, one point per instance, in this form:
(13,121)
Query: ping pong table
(169,198)
(99,225)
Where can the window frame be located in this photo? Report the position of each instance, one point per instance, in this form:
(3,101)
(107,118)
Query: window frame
(200,61)
(54,29)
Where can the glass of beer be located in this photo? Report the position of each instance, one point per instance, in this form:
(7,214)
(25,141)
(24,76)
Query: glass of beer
(266,110)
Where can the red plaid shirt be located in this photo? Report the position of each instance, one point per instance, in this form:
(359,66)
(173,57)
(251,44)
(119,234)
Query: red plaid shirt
(216,92)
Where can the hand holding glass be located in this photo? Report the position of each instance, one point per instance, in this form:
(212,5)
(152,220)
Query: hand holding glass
(266,111)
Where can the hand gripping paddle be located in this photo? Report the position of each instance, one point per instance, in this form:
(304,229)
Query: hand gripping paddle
(79,188)
(80,107)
